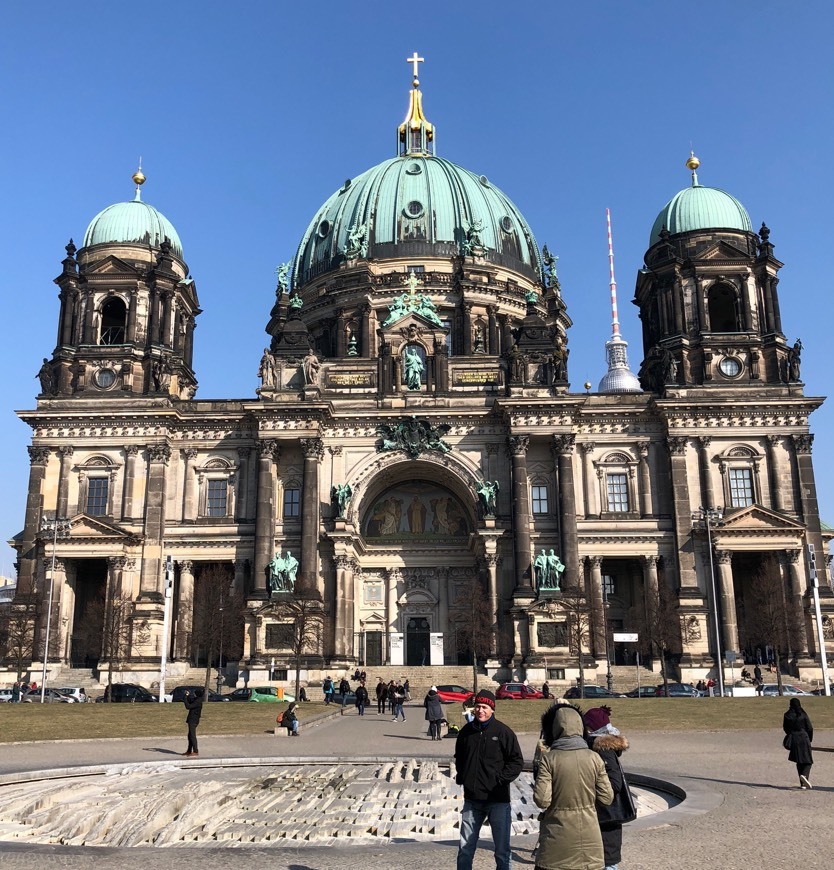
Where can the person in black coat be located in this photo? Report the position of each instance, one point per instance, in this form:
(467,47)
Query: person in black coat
(194,705)
(290,720)
(361,698)
(434,712)
(799,733)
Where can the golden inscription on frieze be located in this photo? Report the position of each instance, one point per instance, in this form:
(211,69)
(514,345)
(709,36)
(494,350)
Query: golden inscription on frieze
(462,379)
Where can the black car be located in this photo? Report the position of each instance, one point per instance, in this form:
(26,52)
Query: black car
(677,690)
(642,692)
(178,694)
(592,692)
(127,693)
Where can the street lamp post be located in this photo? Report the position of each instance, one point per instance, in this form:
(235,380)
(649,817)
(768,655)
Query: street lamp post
(55,526)
(710,517)
(220,655)
(609,679)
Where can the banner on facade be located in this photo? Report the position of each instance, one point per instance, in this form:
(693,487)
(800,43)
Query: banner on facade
(436,648)
(625,637)
(397,647)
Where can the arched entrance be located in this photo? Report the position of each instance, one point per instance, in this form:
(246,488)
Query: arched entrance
(417,636)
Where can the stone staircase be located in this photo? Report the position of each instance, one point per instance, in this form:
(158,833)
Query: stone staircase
(421,678)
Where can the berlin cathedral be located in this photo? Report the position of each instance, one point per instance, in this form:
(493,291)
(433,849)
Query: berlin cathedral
(415,452)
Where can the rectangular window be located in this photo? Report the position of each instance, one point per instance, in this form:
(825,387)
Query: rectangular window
(418,269)
(539,498)
(292,502)
(608,585)
(216,498)
(97,496)
(555,673)
(617,485)
(741,487)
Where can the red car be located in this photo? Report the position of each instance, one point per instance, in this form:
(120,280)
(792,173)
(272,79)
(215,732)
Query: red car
(517,692)
(451,694)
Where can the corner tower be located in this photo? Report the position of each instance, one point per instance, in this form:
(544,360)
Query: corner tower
(707,296)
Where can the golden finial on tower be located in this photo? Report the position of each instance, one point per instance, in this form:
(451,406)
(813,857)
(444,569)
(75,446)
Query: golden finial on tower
(693,163)
(138,179)
(415,134)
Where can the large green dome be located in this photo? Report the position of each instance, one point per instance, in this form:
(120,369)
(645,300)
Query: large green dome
(134,222)
(416,206)
(701,208)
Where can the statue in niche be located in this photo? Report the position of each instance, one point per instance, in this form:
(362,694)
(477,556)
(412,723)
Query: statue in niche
(266,370)
(161,375)
(283,275)
(357,244)
(282,572)
(311,366)
(516,365)
(558,366)
(413,368)
(488,496)
(352,349)
(668,367)
(548,570)
(47,378)
(340,495)
(794,361)
(480,346)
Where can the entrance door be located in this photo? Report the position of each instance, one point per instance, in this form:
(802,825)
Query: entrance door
(89,638)
(417,642)
(373,648)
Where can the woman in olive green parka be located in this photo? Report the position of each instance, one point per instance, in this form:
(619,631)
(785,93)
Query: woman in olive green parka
(571,779)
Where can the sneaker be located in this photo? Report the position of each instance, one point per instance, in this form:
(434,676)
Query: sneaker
(806,783)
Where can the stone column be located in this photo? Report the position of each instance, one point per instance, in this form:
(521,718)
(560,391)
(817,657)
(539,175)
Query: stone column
(393,577)
(682,513)
(168,317)
(518,445)
(190,494)
(151,582)
(131,452)
(89,311)
(704,442)
(132,312)
(264,515)
(802,445)
(239,582)
(646,508)
(506,332)
(365,337)
(341,343)
(587,476)
(343,633)
(441,361)
(467,328)
(65,453)
(443,589)
(597,607)
(651,588)
(492,561)
(799,637)
(729,623)
(185,612)
(771,443)
(243,487)
(153,317)
(563,447)
(492,330)
(310,582)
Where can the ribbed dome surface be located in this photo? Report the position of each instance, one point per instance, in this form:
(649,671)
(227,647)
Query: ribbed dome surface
(416,205)
(135,222)
(701,208)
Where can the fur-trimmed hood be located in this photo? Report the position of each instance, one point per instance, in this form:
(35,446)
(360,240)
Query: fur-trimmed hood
(610,743)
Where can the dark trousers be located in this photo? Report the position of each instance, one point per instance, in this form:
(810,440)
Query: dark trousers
(380,704)
(803,770)
(192,737)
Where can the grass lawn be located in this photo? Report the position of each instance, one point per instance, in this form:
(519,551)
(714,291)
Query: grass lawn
(95,721)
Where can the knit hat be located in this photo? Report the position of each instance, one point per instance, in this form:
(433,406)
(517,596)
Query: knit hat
(597,717)
(433,689)
(484,696)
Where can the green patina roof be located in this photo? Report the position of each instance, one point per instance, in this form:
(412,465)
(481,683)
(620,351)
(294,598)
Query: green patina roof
(416,205)
(701,208)
(134,222)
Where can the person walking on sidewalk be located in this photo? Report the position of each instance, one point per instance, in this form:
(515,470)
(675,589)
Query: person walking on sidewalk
(327,689)
(361,698)
(487,758)
(799,732)
(194,705)
(398,699)
(381,695)
(344,688)
(434,712)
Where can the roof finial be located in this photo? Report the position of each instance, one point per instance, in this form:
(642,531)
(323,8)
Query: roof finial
(693,163)
(138,180)
(415,134)
(414,60)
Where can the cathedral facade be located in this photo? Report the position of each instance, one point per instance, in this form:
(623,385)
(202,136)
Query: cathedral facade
(415,454)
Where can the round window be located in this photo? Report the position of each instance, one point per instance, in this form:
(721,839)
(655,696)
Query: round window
(414,168)
(507,224)
(324,229)
(484,180)
(414,209)
(105,378)
(730,367)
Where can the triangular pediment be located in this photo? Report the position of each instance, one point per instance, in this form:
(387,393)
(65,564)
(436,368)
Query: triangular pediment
(111,265)
(758,518)
(722,250)
(84,526)
(413,320)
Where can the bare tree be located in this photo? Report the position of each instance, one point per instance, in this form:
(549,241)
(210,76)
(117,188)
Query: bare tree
(17,628)
(578,610)
(304,618)
(776,620)
(475,621)
(218,619)
(661,627)
(108,623)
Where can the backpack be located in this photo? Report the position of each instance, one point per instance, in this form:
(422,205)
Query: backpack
(327,687)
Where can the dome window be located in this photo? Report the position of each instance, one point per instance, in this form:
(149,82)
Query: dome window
(507,224)
(722,302)
(113,321)
(414,209)
(324,229)
(484,181)
(414,168)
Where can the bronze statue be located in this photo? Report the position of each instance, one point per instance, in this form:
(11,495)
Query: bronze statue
(488,493)
(340,495)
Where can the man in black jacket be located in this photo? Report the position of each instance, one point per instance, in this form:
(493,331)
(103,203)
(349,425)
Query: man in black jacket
(194,705)
(488,758)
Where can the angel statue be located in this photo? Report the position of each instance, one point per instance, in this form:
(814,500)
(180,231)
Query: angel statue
(487,494)
(283,273)
(340,495)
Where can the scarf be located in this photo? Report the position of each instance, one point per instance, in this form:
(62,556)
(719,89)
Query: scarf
(569,743)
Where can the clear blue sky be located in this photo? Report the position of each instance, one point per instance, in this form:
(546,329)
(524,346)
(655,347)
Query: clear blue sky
(249,115)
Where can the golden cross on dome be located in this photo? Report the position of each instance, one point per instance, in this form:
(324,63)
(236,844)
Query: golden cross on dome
(415,60)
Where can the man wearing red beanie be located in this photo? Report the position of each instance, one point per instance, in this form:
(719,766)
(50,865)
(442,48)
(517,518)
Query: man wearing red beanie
(488,758)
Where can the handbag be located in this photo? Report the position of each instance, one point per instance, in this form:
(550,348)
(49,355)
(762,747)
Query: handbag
(625,802)
(786,742)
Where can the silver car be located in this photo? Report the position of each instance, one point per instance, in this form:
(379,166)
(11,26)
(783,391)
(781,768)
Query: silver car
(771,690)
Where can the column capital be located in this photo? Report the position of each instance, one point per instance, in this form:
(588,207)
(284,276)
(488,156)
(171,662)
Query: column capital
(595,561)
(38,455)
(587,447)
(131,449)
(186,566)
(269,449)
(117,562)
(803,443)
(773,440)
(491,449)
(564,444)
(243,452)
(792,556)
(704,441)
(643,448)
(190,453)
(517,445)
(651,561)
(335,450)
(312,448)
(66,450)
(677,445)
(344,563)
(159,453)
(724,557)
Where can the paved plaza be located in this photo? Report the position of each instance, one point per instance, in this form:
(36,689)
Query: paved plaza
(743,808)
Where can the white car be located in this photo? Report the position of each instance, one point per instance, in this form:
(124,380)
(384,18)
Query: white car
(771,690)
(5,696)
(77,693)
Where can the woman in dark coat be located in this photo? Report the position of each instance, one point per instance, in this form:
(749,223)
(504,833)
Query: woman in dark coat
(194,705)
(799,732)
(290,720)
(434,712)
(607,741)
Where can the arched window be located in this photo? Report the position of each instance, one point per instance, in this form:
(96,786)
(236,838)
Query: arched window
(721,303)
(113,321)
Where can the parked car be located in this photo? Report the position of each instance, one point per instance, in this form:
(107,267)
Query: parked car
(77,693)
(642,692)
(178,694)
(771,690)
(5,696)
(259,693)
(50,696)
(449,694)
(127,693)
(592,692)
(677,690)
(821,690)
(516,692)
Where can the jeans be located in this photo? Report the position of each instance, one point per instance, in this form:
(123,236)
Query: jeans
(472,817)
(398,710)
(344,698)
(361,709)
